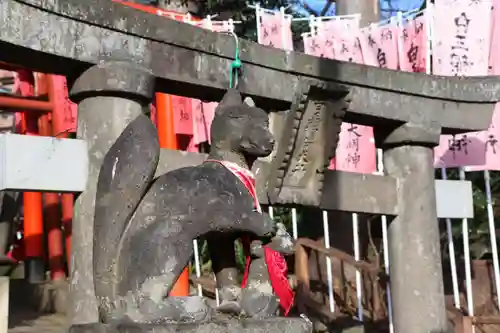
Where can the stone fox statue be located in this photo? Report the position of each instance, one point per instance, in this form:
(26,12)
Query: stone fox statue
(144,227)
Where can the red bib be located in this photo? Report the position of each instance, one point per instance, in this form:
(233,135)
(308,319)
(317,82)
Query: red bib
(275,261)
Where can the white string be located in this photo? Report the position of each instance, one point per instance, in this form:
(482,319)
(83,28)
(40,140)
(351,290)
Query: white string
(339,17)
(404,15)
(493,238)
(294,223)
(197,265)
(468,273)
(451,252)
(359,289)
(385,244)
(329,277)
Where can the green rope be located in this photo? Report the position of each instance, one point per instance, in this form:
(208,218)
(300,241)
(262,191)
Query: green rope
(235,66)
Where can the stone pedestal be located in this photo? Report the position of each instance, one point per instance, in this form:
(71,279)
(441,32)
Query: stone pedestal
(268,325)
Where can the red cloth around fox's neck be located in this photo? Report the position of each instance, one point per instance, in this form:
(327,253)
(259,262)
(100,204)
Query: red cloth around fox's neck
(275,261)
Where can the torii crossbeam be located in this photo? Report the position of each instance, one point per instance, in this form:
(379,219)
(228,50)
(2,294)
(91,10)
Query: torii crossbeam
(118,56)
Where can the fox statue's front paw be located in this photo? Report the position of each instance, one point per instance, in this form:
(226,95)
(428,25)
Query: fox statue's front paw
(230,297)
(230,307)
(258,301)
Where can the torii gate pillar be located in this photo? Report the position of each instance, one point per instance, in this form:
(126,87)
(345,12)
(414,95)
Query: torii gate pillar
(110,95)
(417,291)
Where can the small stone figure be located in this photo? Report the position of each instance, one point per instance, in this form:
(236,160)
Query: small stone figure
(258,298)
(221,246)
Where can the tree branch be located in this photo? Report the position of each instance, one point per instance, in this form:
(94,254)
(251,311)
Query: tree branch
(327,6)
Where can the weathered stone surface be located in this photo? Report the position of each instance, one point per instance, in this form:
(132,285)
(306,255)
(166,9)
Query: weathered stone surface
(102,116)
(268,325)
(306,147)
(124,79)
(125,176)
(258,299)
(342,191)
(413,235)
(144,228)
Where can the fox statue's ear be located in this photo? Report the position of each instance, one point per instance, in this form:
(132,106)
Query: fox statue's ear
(231,98)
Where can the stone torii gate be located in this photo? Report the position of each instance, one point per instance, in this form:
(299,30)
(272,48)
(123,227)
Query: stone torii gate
(116,57)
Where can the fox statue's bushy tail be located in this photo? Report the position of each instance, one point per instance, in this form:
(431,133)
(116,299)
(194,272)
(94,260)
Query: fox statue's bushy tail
(127,171)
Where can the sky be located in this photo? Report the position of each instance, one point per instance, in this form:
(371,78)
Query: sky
(385,6)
